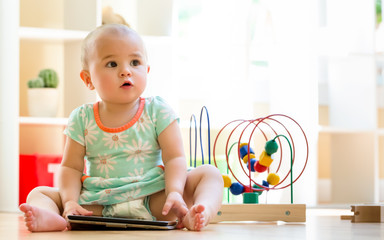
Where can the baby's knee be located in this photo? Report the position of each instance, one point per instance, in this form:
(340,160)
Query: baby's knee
(36,190)
(210,171)
(43,190)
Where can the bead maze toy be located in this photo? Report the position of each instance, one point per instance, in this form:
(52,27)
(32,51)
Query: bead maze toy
(268,172)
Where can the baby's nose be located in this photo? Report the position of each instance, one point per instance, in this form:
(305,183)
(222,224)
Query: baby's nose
(125,72)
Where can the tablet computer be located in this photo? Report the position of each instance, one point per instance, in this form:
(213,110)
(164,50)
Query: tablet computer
(79,222)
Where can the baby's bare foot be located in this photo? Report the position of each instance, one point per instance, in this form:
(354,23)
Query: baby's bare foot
(195,218)
(41,220)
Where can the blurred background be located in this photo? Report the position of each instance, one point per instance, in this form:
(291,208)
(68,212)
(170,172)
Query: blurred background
(320,62)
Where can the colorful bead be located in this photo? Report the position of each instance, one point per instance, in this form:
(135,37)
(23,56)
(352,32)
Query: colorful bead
(227,181)
(273,179)
(244,150)
(236,188)
(251,164)
(245,158)
(251,197)
(265,184)
(257,187)
(265,159)
(259,168)
(271,147)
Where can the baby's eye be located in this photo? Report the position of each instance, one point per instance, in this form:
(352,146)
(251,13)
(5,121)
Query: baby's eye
(111,64)
(135,63)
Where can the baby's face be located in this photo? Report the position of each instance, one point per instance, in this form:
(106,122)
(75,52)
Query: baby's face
(118,67)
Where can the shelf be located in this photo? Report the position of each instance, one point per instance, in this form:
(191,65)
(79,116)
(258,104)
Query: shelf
(43,121)
(31,33)
(381,131)
(327,129)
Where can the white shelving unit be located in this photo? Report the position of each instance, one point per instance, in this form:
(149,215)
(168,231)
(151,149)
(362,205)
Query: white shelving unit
(43,121)
(50,34)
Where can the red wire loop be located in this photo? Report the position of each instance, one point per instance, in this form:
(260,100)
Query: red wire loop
(270,122)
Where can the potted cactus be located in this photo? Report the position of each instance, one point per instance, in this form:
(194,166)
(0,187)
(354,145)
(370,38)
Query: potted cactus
(43,95)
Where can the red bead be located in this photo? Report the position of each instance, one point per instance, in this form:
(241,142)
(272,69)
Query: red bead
(247,189)
(259,168)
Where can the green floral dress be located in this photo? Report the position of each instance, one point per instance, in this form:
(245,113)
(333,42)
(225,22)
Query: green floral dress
(124,163)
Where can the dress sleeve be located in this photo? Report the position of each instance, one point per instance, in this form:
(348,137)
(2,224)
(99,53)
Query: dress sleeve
(163,113)
(75,127)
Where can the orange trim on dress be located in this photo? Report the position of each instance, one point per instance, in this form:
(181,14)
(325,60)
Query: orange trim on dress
(84,177)
(122,128)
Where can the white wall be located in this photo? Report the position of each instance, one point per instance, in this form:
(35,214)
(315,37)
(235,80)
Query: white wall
(9,105)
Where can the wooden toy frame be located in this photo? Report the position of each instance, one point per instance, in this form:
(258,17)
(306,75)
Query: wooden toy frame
(251,212)
(261,212)
(373,213)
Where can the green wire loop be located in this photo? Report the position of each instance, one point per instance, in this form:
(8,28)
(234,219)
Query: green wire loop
(290,148)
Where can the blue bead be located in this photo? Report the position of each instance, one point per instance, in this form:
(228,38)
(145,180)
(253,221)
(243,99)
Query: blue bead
(252,162)
(236,188)
(244,151)
(265,184)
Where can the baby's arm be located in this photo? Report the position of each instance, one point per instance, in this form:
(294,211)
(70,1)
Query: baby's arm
(71,171)
(175,169)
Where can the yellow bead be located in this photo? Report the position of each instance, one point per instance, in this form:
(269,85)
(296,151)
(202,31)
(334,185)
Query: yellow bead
(245,149)
(227,181)
(243,144)
(265,159)
(273,179)
(245,158)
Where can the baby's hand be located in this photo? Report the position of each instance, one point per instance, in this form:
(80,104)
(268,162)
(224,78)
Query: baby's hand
(176,204)
(73,208)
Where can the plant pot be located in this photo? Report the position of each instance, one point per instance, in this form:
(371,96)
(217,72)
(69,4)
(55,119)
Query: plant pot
(43,102)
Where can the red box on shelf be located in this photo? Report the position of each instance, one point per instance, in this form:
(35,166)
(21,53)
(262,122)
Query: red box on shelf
(36,170)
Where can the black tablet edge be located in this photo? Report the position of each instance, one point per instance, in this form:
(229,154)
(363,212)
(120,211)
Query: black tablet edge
(121,220)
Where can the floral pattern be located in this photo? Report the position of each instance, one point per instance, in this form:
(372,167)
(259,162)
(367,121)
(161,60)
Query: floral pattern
(138,151)
(114,140)
(121,164)
(90,132)
(105,163)
(128,196)
(144,123)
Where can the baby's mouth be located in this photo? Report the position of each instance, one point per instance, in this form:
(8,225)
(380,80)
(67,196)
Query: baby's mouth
(127,84)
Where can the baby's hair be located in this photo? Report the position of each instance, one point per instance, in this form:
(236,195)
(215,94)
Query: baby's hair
(92,36)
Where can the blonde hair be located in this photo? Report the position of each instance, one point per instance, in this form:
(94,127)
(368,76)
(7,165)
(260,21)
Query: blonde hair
(88,42)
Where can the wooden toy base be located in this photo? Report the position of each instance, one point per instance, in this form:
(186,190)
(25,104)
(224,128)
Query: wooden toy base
(261,212)
(366,213)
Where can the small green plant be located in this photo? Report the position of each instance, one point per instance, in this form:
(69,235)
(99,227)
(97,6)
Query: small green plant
(36,83)
(47,78)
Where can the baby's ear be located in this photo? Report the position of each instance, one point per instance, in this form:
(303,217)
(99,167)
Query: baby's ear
(86,77)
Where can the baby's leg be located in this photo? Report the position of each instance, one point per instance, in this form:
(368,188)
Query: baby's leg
(203,194)
(42,210)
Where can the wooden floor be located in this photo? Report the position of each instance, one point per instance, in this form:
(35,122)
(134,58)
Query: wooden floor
(320,224)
